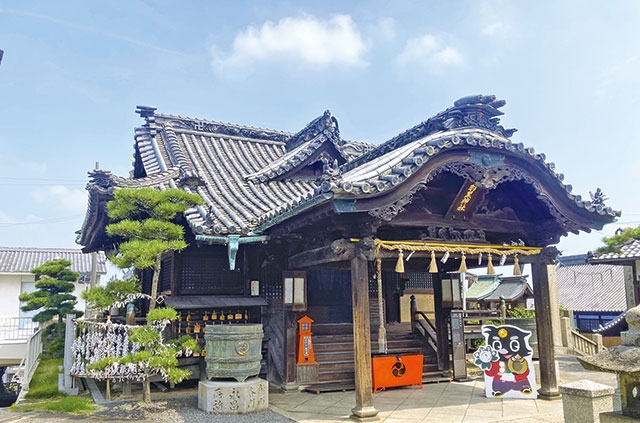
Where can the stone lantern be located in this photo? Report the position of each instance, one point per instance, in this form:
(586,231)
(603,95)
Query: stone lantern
(624,360)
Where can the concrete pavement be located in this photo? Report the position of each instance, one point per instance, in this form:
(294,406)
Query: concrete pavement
(452,402)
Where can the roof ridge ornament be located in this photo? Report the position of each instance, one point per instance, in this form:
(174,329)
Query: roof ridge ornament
(331,173)
(598,197)
(148,114)
(477,110)
(325,124)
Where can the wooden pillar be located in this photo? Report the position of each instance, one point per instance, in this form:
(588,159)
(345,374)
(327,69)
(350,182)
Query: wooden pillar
(541,272)
(364,408)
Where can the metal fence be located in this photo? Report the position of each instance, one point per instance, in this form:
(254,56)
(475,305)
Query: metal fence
(17,328)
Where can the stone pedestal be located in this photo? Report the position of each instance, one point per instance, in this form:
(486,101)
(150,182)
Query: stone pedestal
(233,397)
(583,401)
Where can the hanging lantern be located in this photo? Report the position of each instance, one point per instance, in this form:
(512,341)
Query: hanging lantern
(490,269)
(463,264)
(503,259)
(400,263)
(433,266)
(516,266)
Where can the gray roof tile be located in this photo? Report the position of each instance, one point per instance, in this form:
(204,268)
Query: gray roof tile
(22,260)
(630,251)
(586,287)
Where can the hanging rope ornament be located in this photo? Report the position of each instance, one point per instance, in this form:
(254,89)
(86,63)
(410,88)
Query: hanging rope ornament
(433,266)
(382,332)
(400,263)
(479,259)
(490,269)
(503,260)
(463,264)
(516,266)
(445,257)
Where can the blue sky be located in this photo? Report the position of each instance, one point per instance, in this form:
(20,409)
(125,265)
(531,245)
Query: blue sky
(74,71)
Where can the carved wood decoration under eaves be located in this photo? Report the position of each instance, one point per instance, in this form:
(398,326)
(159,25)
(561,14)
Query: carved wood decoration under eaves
(388,212)
(487,179)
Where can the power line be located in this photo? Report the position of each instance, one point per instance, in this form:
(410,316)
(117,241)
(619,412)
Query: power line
(39,222)
(15,178)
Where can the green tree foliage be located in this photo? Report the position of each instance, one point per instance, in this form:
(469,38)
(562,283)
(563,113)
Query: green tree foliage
(117,290)
(54,283)
(144,219)
(612,244)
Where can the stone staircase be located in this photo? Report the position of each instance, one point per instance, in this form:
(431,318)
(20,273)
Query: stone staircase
(333,348)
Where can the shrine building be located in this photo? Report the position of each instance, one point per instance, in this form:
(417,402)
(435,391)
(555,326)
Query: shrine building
(311,225)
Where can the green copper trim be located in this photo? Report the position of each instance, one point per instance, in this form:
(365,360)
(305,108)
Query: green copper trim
(232,242)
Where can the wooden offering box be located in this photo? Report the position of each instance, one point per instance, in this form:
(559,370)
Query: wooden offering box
(396,370)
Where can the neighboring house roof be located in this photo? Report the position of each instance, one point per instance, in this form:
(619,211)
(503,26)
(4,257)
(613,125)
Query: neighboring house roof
(628,252)
(614,326)
(588,287)
(482,287)
(252,179)
(511,288)
(22,260)
(495,287)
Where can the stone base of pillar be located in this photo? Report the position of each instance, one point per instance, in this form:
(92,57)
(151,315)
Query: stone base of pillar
(231,397)
(364,414)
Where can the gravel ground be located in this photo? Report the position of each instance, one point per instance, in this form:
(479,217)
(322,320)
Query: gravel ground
(175,406)
(175,410)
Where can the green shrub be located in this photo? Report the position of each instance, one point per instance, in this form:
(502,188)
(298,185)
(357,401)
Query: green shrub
(521,313)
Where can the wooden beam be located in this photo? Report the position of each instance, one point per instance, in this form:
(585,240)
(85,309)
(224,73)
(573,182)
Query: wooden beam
(339,250)
(364,408)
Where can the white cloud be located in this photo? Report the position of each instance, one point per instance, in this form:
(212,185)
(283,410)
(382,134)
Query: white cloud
(304,41)
(59,197)
(495,19)
(429,51)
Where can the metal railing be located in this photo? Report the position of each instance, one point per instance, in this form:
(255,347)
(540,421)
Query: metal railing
(17,328)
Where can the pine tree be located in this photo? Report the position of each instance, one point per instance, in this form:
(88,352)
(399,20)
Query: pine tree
(144,219)
(54,283)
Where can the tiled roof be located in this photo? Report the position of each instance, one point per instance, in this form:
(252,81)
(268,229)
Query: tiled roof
(482,287)
(230,166)
(586,287)
(22,260)
(251,179)
(510,288)
(629,251)
(492,287)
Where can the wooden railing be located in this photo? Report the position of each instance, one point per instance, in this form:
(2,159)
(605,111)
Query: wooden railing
(579,344)
(424,327)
